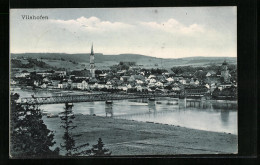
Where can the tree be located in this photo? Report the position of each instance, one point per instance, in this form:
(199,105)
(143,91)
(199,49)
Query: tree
(98,150)
(98,72)
(67,117)
(30,137)
(215,93)
(169,87)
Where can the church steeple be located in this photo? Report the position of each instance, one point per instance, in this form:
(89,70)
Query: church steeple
(92,51)
(92,62)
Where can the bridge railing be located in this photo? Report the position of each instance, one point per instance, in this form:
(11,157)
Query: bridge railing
(88,98)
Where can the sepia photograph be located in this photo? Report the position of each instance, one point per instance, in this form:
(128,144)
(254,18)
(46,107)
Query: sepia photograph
(107,82)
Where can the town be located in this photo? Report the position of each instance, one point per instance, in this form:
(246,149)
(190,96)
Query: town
(219,82)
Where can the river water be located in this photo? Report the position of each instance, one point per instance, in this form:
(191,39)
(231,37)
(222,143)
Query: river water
(217,116)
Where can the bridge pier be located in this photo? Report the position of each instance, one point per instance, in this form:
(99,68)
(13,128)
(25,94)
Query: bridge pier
(68,106)
(183,102)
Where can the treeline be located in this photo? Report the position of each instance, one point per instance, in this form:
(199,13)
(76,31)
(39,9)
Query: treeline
(122,66)
(225,93)
(31,63)
(191,69)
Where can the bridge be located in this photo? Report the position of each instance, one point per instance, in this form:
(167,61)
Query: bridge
(105,96)
(87,98)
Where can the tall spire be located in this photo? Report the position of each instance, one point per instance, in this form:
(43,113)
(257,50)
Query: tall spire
(92,51)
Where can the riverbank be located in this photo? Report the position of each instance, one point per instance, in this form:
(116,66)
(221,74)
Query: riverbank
(125,137)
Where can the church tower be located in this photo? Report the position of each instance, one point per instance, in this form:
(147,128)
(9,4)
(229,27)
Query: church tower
(225,72)
(92,63)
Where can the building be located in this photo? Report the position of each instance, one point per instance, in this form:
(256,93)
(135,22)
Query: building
(60,73)
(43,74)
(224,72)
(22,75)
(92,63)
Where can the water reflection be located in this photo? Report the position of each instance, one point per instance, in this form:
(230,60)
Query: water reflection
(91,111)
(224,105)
(109,109)
(182,104)
(91,108)
(220,116)
(224,114)
(152,107)
(201,104)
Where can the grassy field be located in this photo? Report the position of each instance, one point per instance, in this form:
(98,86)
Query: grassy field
(125,137)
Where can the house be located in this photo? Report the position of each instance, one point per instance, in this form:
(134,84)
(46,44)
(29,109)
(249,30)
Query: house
(197,82)
(60,86)
(12,82)
(225,85)
(22,75)
(213,79)
(115,81)
(151,84)
(177,87)
(129,86)
(69,82)
(170,79)
(152,80)
(36,83)
(122,72)
(76,83)
(152,76)
(211,73)
(125,78)
(45,80)
(60,73)
(131,79)
(55,83)
(43,74)
(136,77)
(187,81)
(142,73)
(139,81)
(65,84)
(93,85)
(124,88)
(109,85)
(79,84)
(161,78)
(50,86)
(103,75)
(44,85)
(139,88)
(100,86)
(194,82)
(84,85)
(183,81)
(93,80)
(211,87)
(159,84)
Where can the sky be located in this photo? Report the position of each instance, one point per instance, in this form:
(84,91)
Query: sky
(168,32)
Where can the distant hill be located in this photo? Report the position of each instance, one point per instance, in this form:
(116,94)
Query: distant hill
(146,61)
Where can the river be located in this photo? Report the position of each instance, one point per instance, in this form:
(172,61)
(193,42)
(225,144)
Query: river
(216,116)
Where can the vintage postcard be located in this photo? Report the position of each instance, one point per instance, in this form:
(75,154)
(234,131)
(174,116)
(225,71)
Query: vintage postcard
(123,82)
